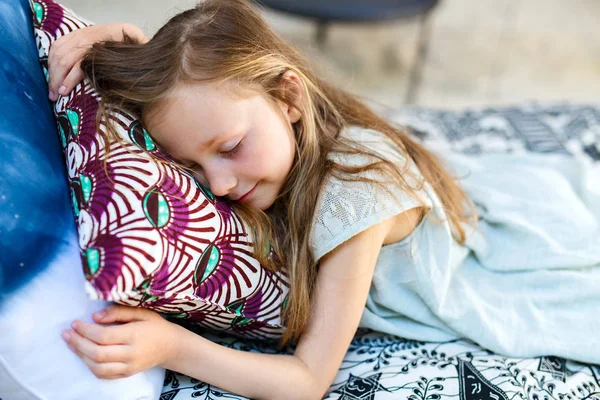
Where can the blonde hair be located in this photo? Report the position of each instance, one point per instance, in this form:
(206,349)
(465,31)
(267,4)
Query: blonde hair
(228,41)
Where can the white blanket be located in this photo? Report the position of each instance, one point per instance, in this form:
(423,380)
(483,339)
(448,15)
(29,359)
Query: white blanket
(526,283)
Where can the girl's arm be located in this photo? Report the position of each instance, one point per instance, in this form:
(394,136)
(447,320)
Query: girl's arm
(145,339)
(254,375)
(341,291)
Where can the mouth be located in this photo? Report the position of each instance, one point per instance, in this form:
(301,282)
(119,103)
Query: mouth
(247,195)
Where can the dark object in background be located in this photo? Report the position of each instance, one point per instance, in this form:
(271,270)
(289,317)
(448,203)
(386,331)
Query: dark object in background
(327,11)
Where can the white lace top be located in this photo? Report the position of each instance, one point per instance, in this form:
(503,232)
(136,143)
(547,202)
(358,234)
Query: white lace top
(347,208)
(531,270)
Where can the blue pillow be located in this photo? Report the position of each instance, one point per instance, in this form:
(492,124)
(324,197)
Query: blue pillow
(41,278)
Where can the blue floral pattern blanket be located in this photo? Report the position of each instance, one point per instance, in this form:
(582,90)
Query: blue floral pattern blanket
(378,366)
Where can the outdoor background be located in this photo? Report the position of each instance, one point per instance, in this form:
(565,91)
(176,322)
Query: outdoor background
(466,53)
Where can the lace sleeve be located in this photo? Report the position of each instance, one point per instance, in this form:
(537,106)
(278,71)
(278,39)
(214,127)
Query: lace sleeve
(346,208)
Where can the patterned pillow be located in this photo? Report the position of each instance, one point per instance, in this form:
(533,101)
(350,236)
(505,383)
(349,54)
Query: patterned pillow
(149,234)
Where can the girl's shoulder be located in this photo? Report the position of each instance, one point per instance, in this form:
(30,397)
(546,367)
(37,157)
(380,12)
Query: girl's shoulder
(369,141)
(348,206)
(369,138)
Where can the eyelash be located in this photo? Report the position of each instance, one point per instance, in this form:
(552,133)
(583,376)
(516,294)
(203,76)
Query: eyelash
(234,151)
(229,153)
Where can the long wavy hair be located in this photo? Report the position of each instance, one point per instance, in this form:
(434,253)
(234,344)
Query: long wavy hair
(228,41)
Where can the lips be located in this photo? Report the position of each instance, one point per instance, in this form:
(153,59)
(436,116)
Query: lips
(244,197)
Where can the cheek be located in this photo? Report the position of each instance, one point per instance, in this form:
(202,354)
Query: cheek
(263,166)
(282,144)
(279,163)
(288,150)
(260,166)
(251,165)
(272,151)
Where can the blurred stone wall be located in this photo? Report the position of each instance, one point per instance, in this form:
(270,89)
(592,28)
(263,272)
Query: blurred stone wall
(465,53)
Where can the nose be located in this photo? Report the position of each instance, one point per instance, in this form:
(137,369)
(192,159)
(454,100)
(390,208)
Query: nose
(220,180)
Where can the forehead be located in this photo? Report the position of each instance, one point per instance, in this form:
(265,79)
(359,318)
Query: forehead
(194,114)
(190,100)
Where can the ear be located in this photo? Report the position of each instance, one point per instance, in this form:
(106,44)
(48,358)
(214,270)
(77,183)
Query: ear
(291,82)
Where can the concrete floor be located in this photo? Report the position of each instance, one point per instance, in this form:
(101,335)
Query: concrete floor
(466,53)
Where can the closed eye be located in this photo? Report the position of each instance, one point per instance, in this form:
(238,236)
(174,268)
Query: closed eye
(233,151)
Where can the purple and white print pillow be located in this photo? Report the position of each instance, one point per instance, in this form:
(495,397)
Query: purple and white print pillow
(149,234)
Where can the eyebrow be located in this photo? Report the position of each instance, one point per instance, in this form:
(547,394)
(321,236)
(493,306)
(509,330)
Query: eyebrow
(186,161)
(208,144)
(219,138)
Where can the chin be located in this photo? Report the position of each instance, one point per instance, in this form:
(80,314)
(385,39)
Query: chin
(263,204)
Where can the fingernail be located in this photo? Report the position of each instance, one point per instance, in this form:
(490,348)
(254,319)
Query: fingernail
(66,335)
(52,96)
(100,314)
(74,325)
(62,89)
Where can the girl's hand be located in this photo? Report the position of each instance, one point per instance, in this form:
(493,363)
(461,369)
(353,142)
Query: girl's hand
(117,351)
(66,53)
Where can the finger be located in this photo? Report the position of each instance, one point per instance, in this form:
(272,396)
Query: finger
(55,53)
(115,370)
(65,41)
(55,47)
(111,370)
(59,68)
(103,335)
(72,79)
(95,352)
(64,44)
(119,313)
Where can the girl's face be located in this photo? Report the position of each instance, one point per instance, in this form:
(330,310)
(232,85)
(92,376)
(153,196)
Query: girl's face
(241,147)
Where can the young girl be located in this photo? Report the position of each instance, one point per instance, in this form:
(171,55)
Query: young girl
(371,229)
